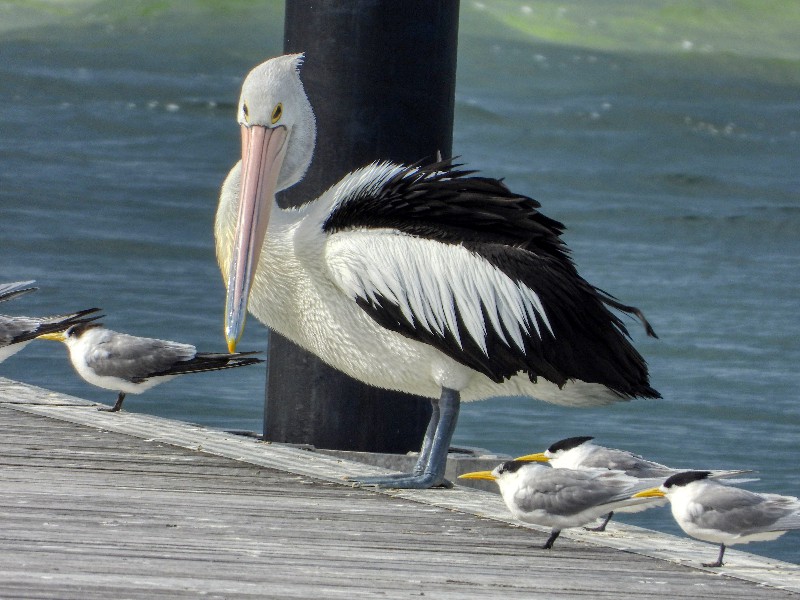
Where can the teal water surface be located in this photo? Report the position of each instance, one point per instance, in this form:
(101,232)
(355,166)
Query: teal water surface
(666,138)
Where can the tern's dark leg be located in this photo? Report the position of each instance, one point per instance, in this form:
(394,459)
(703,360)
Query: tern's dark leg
(603,526)
(116,406)
(553,535)
(718,563)
(435,447)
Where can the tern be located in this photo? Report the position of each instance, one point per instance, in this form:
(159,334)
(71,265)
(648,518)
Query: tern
(582,453)
(722,514)
(18,332)
(131,365)
(561,498)
(427,280)
(14,289)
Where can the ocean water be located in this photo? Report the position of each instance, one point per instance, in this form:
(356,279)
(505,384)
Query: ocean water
(667,138)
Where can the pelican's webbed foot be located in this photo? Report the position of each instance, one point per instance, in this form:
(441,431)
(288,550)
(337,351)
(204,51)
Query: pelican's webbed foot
(409,481)
(430,467)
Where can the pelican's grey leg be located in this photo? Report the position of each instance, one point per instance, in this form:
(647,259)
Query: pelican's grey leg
(430,467)
(422,460)
(427,441)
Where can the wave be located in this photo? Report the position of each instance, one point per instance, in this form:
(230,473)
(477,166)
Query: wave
(765,29)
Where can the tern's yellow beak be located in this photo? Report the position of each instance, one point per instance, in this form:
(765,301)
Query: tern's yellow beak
(478,475)
(57,336)
(539,457)
(649,493)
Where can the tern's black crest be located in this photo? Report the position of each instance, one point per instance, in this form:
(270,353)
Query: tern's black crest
(439,203)
(686,478)
(569,443)
(81,327)
(512,466)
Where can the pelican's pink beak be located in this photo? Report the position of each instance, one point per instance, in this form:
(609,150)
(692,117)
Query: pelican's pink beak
(263,150)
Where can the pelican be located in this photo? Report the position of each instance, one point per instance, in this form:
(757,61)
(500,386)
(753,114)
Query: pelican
(710,511)
(423,279)
(581,452)
(130,364)
(561,498)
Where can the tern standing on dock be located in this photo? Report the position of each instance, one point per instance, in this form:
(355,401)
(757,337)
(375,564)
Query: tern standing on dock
(425,280)
(582,453)
(131,365)
(722,514)
(561,498)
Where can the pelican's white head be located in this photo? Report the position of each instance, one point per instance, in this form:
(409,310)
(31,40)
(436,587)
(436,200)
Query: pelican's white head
(278,138)
(273,98)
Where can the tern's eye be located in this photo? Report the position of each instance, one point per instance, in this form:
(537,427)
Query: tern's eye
(276,113)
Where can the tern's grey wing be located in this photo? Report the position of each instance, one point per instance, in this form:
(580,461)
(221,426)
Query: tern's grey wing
(566,492)
(135,358)
(736,510)
(17,288)
(791,520)
(16,329)
(627,462)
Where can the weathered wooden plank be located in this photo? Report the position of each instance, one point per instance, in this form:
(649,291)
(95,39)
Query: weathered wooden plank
(87,512)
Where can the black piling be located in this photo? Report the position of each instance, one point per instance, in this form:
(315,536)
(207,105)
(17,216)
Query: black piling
(380,75)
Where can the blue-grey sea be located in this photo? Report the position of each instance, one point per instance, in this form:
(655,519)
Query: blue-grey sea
(666,135)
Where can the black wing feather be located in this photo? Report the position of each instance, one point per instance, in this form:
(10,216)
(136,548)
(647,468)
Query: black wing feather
(208,361)
(506,229)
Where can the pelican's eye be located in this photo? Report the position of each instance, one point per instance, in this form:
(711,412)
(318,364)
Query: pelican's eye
(276,113)
(244,112)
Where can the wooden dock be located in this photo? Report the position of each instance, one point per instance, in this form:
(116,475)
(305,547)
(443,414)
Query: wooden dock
(120,505)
